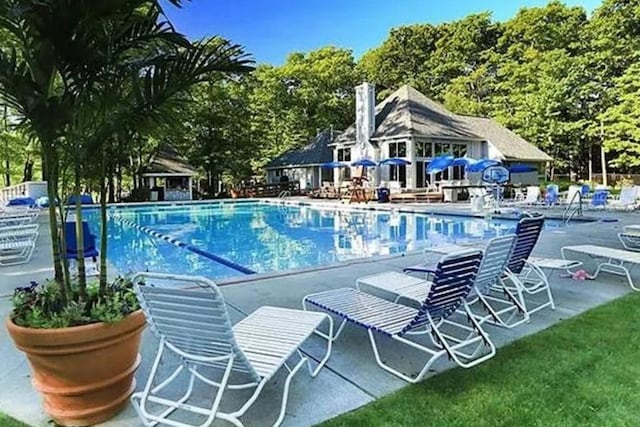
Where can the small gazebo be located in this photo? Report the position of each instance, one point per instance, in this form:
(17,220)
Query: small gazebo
(168,176)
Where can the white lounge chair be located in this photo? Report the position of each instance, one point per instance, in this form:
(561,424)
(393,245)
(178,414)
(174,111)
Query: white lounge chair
(627,199)
(17,219)
(452,282)
(616,261)
(531,198)
(194,325)
(630,237)
(493,268)
(18,232)
(16,251)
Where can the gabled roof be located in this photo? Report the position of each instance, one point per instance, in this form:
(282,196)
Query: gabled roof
(407,112)
(314,153)
(167,160)
(511,145)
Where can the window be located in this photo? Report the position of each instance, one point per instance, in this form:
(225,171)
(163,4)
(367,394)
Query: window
(399,173)
(423,149)
(423,179)
(459,150)
(442,176)
(344,154)
(441,148)
(398,149)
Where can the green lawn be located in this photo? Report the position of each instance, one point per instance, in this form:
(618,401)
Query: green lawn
(584,371)
(6,421)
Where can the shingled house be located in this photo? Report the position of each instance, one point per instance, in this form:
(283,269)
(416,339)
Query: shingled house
(305,164)
(409,125)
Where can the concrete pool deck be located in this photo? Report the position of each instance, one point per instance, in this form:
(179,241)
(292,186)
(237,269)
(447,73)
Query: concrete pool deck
(351,377)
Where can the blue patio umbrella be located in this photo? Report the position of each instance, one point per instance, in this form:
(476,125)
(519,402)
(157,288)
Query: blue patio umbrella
(438,164)
(482,164)
(334,165)
(364,162)
(394,161)
(520,168)
(463,161)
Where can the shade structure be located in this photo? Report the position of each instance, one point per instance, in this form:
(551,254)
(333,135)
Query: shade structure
(438,164)
(334,165)
(464,161)
(522,168)
(482,164)
(394,161)
(364,162)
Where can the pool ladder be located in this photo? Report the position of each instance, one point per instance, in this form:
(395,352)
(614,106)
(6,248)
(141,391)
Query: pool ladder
(284,194)
(572,211)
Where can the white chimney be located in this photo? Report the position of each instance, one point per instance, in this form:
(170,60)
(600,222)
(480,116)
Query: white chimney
(365,115)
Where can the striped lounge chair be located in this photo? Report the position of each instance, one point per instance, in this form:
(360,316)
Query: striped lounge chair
(524,276)
(453,280)
(406,287)
(193,324)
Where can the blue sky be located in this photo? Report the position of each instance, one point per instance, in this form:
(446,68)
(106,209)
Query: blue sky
(270,30)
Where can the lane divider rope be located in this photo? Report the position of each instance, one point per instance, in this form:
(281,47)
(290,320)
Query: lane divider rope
(183,245)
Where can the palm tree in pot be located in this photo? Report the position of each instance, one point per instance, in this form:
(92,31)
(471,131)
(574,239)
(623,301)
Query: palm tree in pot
(85,76)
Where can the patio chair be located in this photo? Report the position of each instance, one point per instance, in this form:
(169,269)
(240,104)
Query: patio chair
(17,244)
(599,199)
(194,325)
(18,232)
(452,281)
(532,197)
(17,217)
(90,250)
(404,286)
(551,196)
(525,274)
(572,194)
(627,200)
(616,261)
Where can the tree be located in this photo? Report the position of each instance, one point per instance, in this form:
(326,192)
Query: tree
(622,121)
(291,103)
(89,74)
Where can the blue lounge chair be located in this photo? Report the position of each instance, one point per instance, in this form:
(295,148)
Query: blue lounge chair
(453,279)
(551,197)
(90,250)
(599,199)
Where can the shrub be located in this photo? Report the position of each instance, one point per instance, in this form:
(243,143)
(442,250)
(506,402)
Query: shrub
(41,306)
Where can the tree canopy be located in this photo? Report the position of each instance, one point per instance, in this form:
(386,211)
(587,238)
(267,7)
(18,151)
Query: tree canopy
(563,80)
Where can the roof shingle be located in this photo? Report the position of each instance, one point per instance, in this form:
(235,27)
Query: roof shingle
(314,153)
(167,160)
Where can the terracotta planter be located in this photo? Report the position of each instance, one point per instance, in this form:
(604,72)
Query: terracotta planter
(85,373)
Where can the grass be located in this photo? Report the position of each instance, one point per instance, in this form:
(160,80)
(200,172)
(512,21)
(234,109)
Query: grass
(584,371)
(6,421)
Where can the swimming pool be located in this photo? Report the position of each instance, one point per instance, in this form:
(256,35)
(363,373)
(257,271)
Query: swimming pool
(221,240)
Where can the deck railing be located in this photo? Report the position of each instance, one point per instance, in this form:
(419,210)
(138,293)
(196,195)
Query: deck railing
(33,189)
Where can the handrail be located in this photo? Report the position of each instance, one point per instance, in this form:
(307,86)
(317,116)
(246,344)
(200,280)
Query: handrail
(569,213)
(284,194)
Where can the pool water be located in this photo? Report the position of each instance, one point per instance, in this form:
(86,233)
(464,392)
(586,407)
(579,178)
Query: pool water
(231,239)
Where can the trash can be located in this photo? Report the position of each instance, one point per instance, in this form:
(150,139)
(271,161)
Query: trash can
(383,195)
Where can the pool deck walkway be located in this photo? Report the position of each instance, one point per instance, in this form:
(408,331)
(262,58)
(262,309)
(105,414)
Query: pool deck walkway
(351,378)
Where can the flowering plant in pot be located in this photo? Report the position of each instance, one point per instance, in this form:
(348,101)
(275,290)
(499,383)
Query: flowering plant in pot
(88,80)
